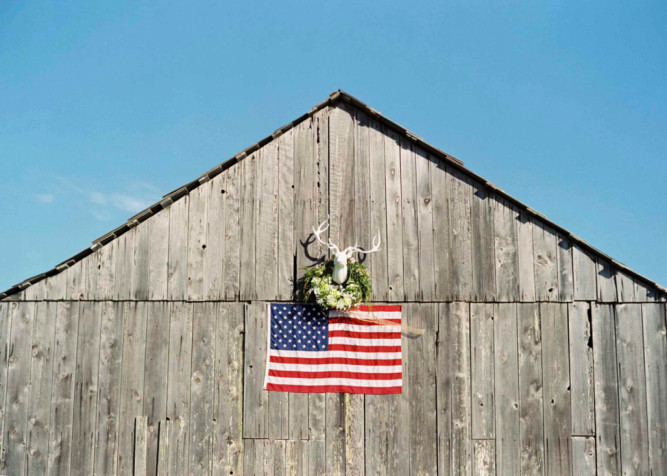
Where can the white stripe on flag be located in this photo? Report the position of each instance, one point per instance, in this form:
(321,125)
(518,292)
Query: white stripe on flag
(335,353)
(334,381)
(364,342)
(369,369)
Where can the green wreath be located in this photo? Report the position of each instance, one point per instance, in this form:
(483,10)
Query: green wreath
(318,284)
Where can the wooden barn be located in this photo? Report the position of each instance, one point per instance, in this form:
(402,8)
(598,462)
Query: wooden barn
(145,353)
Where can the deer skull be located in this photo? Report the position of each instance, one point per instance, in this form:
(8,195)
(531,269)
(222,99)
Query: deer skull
(340,257)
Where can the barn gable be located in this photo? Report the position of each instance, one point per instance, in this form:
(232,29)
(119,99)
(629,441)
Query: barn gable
(368,174)
(145,353)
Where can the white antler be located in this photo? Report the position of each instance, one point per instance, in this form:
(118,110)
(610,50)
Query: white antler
(321,229)
(354,249)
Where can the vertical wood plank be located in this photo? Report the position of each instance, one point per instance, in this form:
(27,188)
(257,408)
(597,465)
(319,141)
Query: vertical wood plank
(56,286)
(483,245)
(565,269)
(655,353)
(108,395)
(84,424)
(41,374)
(5,332)
(266,228)
(530,389)
(526,258)
(197,255)
(202,386)
(76,281)
(362,233)
(378,216)
(156,368)
(215,238)
(444,384)
(461,446)
(482,367)
(441,248)
(625,288)
(286,238)
(545,261)
(228,413)
(164,430)
(354,434)
(409,220)
(460,233)
(178,392)
(505,223)
(394,244)
(232,183)
(124,265)
(140,446)
(308,250)
(583,456)
(342,176)
(21,316)
(335,433)
(37,291)
(140,287)
(581,369)
(62,392)
(605,281)
(247,220)
(585,275)
(608,439)
(158,258)
(632,389)
(420,382)
(106,271)
(508,447)
(557,403)
(178,249)
(255,399)
(484,457)
(132,383)
(322,153)
(425,223)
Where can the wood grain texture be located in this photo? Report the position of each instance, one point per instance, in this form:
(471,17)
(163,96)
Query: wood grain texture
(140,287)
(606,282)
(505,224)
(266,223)
(423,166)
(5,332)
(178,390)
(508,443)
(484,457)
(132,382)
(247,221)
(108,395)
(565,269)
(482,367)
(202,386)
(231,260)
(156,370)
(545,262)
(228,411)
(140,446)
(460,234)
(526,258)
(655,353)
(581,369)
(607,425)
(41,376)
(483,245)
(441,249)
(632,388)
(84,422)
(394,244)
(215,238)
(286,236)
(177,270)
(62,392)
(255,398)
(585,275)
(583,455)
(531,428)
(409,220)
(556,391)
(197,254)
(158,260)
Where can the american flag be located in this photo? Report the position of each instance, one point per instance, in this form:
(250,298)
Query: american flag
(356,351)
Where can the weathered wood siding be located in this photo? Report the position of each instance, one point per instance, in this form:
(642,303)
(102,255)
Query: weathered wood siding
(148,356)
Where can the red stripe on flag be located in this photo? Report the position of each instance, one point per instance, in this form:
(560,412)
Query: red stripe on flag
(365,348)
(362,322)
(333,389)
(333,360)
(366,335)
(334,374)
(377,308)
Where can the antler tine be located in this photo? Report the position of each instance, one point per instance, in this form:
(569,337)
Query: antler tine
(355,249)
(321,229)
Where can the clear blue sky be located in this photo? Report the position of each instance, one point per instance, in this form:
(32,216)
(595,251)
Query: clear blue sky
(105,106)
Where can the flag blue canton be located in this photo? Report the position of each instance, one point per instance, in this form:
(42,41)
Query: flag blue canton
(299,327)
